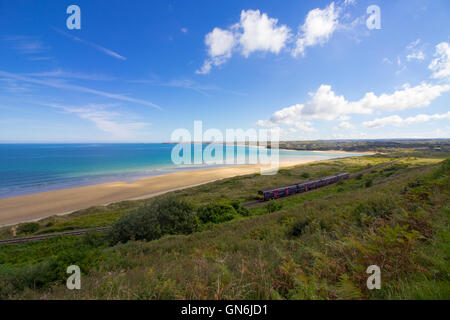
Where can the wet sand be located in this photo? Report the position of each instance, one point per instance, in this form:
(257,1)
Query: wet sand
(41,205)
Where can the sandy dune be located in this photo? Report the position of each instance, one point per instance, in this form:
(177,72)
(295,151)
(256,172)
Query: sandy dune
(37,206)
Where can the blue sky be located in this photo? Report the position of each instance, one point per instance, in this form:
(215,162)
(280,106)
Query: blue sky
(137,70)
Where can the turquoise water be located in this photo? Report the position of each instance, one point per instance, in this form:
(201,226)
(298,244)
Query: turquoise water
(32,168)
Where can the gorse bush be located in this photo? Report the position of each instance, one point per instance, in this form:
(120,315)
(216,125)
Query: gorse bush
(239,208)
(163,216)
(28,227)
(216,213)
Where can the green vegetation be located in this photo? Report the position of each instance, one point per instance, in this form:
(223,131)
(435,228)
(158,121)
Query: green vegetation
(216,213)
(28,227)
(205,245)
(164,216)
(422,145)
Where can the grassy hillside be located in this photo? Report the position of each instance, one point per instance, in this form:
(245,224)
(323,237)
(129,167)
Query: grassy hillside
(315,245)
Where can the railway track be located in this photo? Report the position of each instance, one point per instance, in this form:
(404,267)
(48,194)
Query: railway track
(247,205)
(46,236)
(352,176)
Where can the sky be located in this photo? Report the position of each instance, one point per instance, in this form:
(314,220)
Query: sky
(135,71)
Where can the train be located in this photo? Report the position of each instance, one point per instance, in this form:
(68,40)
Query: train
(265,195)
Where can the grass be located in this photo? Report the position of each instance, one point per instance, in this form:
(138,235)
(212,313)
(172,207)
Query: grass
(315,245)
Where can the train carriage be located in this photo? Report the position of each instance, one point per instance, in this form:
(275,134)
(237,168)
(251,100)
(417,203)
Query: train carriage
(269,194)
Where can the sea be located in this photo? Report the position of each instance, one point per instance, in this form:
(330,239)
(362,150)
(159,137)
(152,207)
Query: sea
(34,168)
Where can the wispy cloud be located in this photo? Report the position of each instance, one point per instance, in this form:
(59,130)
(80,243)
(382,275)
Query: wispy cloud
(187,84)
(40,58)
(25,44)
(414,52)
(112,122)
(94,45)
(63,85)
(63,74)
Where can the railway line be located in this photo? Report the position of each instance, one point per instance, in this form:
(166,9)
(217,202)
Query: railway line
(248,205)
(352,176)
(46,236)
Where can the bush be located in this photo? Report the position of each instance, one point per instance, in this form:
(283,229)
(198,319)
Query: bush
(369,183)
(273,206)
(240,209)
(96,239)
(305,175)
(298,227)
(160,217)
(216,213)
(30,227)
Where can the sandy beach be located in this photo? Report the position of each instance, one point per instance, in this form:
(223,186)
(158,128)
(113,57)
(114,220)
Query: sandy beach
(41,205)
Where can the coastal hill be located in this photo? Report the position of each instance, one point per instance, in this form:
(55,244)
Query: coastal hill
(206,243)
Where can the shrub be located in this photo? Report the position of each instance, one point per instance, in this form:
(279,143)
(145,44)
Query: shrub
(273,206)
(216,213)
(305,175)
(239,208)
(28,227)
(96,239)
(160,217)
(298,227)
(369,183)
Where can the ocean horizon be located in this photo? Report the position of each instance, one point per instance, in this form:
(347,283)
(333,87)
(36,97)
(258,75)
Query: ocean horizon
(33,168)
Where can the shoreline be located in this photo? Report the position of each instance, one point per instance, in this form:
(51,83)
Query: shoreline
(34,207)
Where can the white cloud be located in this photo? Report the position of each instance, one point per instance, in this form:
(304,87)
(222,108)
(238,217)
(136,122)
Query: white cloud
(324,104)
(257,31)
(220,43)
(184,30)
(441,64)
(413,52)
(398,121)
(205,69)
(317,29)
(418,55)
(413,44)
(344,125)
(254,32)
(405,98)
(261,33)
